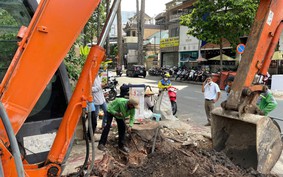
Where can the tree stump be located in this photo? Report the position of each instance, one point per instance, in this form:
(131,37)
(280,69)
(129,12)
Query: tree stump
(141,141)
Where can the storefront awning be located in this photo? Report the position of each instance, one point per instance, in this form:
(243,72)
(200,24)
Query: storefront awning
(224,58)
(278,55)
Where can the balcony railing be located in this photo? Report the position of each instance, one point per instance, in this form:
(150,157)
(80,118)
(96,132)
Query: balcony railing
(174,17)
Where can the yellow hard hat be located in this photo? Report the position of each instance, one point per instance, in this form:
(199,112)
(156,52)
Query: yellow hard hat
(167,75)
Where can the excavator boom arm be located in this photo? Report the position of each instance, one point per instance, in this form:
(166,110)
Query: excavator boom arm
(260,47)
(250,139)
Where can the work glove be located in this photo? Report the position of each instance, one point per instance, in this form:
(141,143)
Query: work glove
(118,114)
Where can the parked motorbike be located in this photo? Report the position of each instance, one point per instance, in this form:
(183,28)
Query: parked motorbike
(205,74)
(119,73)
(192,75)
(154,71)
(110,90)
(172,92)
(183,74)
(178,74)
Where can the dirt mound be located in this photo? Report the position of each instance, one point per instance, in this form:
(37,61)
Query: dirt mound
(173,154)
(187,162)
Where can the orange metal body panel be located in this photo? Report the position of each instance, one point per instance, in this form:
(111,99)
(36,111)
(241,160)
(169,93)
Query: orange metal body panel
(72,115)
(53,29)
(42,53)
(260,46)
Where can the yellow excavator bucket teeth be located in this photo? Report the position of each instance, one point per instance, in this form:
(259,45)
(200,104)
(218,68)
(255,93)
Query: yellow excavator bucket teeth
(248,140)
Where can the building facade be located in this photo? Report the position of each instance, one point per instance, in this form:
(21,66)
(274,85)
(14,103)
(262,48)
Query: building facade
(131,39)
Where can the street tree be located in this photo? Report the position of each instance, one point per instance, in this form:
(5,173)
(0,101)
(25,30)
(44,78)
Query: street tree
(140,29)
(8,40)
(212,21)
(92,29)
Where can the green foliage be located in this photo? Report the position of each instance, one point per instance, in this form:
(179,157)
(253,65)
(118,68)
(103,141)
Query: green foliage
(114,50)
(8,41)
(90,29)
(84,51)
(74,62)
(212,20)
(6,19)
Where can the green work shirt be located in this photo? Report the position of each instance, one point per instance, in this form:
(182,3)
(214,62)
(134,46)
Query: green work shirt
(119,105)
(267,103)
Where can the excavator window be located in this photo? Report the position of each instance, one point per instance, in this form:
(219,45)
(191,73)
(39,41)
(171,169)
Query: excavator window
(46,116)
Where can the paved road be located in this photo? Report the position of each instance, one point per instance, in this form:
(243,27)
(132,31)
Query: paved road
(190,99)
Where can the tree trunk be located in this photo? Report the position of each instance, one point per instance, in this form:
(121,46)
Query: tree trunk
(221,56)
(141,33)
(107,40)
(84,38)
(138,27)
(98,22)
(120,40)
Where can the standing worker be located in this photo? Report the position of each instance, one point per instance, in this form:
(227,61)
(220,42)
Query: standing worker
(120,108)
(211,95)
(99,102)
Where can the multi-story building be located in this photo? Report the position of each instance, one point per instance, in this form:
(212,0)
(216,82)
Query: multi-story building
(131,38)
(180,48)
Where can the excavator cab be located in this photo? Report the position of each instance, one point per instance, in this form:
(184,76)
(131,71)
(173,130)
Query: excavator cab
(46,116)
(238,128)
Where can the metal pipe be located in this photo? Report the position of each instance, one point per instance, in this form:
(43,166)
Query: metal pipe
(87,147)
(1,169)
(154,141)
(90,128)
(107,27)
(13,142)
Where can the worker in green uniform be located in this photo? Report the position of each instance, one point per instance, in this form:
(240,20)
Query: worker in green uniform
(266,102)
(120,109)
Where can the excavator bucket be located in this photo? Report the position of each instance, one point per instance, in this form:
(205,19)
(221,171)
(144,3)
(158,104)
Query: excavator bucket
(248,140)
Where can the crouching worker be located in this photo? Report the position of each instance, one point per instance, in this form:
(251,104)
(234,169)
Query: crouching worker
(266,102)
(148,103)
(120,108)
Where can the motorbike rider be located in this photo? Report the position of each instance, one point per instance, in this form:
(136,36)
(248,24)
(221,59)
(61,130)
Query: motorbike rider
(165,82)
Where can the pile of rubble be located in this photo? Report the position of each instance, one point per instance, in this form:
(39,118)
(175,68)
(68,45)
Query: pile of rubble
(157,151)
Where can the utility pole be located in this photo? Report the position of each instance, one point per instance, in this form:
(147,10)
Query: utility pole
(120,40)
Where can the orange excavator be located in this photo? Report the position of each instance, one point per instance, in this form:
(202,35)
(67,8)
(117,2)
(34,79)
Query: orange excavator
(42,46)
(249,139)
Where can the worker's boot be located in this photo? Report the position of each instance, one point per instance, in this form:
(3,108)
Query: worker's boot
(101,147)
(124,149)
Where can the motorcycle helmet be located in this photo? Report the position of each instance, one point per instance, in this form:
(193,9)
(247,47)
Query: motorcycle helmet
(167,75)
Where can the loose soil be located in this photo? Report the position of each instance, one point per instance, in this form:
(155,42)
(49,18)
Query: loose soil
(176,154)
